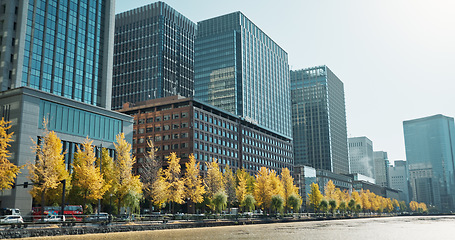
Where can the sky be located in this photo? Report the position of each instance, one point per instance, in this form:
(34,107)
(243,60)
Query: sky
(396,58)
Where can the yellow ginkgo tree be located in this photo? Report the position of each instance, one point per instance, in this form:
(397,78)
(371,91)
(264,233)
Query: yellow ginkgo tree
(86,175)
(129,186)
(175,186)
(8,171)
(194,189)
(48,171)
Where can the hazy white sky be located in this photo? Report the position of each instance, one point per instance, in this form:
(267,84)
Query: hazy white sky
(395,57)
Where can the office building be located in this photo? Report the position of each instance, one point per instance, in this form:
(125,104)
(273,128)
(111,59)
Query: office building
(240,69)
(430,146)
(319,120)
(399,178)
(381,168)
(187,125)
(361,156)
(56,63)
(153,54)
(60,47)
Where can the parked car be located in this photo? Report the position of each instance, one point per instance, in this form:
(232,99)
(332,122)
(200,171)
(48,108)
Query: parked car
(98,217)
(11,219)
(55,218)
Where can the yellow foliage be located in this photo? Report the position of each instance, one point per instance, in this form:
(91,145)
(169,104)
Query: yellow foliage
(159,188)
(49,168)
(241,189)
(414,206)
(356,196)
(175,185)
(8,171)
(129,187)
(108,172)
(214,181)
(315,196)
(288,185)
(87,175)
(263,190)
(329,191)
(194,189)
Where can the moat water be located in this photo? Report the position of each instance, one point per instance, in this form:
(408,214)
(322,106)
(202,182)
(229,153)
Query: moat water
(402,228)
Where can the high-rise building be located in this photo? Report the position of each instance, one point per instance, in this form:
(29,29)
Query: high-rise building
(398,178)
(361,156)
(57,64)
(319,120)
(153,54)
(59,47)
(381,168)
(430,150)
(240,69)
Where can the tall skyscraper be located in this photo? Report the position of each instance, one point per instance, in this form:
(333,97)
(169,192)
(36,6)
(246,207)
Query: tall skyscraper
(56,64)
(381,168)
(240,69)
(361,156)
(319,119)
(430,150)
(398,178)
(59,47)
(153,54)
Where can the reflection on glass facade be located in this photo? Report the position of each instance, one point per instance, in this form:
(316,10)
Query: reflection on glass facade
(430,149)
(153,54)
(240,69)
(78,122)
(63,49)
(319,120)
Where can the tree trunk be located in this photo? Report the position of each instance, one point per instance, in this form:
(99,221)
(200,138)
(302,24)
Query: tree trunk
(42,204)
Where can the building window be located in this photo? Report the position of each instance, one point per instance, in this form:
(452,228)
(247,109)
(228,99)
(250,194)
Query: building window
(175,136)
(175,146)
(149,120)
(149,129)
(141,121)
(175,116)
(184,135)
(166,127)
(185,114)
(157,128)
(158,119)
(166,117)
(141,140)
(157,138)
(175,126)
(184,145)
(184,125)
(141,130)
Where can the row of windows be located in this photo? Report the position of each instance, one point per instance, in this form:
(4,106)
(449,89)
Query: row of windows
(159,118)
(158,138)
(208,118)
(158,148)
(159,128)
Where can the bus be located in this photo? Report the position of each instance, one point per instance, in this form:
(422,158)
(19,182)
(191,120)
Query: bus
(72,212)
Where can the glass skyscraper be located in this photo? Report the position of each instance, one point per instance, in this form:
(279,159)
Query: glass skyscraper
(56,63)
(242,70)
(60,47)
(153,54)
(430,150)
(319,120)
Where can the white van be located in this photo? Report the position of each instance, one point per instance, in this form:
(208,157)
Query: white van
(10,211)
